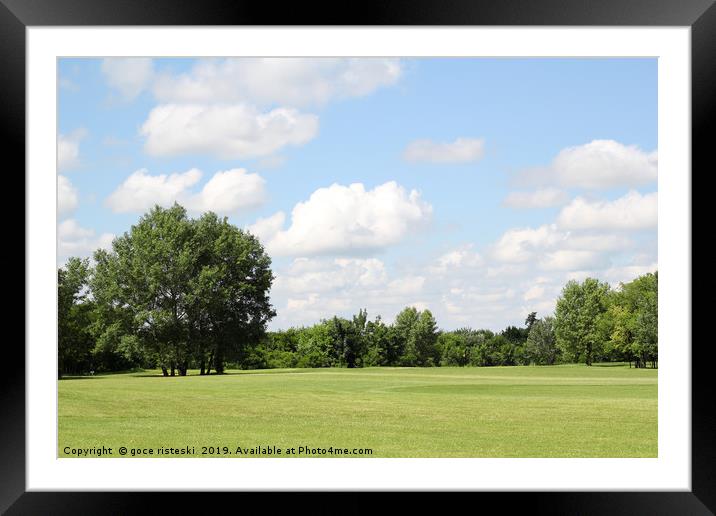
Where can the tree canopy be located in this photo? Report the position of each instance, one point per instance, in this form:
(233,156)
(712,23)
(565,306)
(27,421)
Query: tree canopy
(184,289)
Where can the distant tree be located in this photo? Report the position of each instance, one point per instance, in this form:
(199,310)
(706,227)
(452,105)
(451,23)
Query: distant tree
(647,321)
(541,346)
(315,346)
(453,349)
(515,335)
(347,340)
(480,344)
(630,325)
(383,346)
(530,320)
(405,323)
(577,319)
(75,316)
(425,335)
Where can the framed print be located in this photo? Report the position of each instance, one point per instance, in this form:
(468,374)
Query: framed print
(415,248)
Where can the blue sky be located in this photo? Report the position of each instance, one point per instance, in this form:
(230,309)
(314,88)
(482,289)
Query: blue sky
(480,185)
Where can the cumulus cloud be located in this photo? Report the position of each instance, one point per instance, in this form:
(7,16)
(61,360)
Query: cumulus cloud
(226,192)
(461,150)
(626,273)
(463,257)
(283,81)
(599,164)
(550,247)
(67,196)
(75,240)
(319,275)
(310,289)
(128,75)
(460,287)
(244,107)
(633,211)
(225,131)
(407,285)
(68,149)
(534,292)
(571,259)
(542,198)
(519,245)
(345,220)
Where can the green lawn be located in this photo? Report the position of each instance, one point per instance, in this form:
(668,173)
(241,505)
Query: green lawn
(558,411)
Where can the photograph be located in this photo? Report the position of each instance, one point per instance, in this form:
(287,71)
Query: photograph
(357,257)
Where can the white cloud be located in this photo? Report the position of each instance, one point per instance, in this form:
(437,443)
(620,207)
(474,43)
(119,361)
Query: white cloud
(571,259)
(460,287)
(626,273)
(75,240)
(226,131)
(520,245)
(283,81)
(633,211)
(534,292)
(542,198)
(319,275)
(230,191)
(141,191)
(345,220)
(128,75)
(599,164)
(457,258)
(407,285)
(310,289)
(461,150)
(67,196)
(68,149)
(266,228)
(226,192)
(598,241)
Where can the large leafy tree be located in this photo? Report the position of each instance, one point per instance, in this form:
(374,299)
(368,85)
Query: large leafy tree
(577,319)
(228,294)
(185,288)
(148,275)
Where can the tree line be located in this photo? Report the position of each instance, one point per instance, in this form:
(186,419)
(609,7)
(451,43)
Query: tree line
(177,293)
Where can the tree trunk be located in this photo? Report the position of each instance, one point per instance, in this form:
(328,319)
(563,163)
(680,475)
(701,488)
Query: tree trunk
(211,359)
(172,369)
(202,365)
(164,371)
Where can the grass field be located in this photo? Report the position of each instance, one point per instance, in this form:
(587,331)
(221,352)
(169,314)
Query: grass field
(558,411)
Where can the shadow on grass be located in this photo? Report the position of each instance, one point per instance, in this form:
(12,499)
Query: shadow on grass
(233,372)
(619,364)
(67,378)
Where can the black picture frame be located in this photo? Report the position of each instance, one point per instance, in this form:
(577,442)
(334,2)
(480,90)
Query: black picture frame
(699,15)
